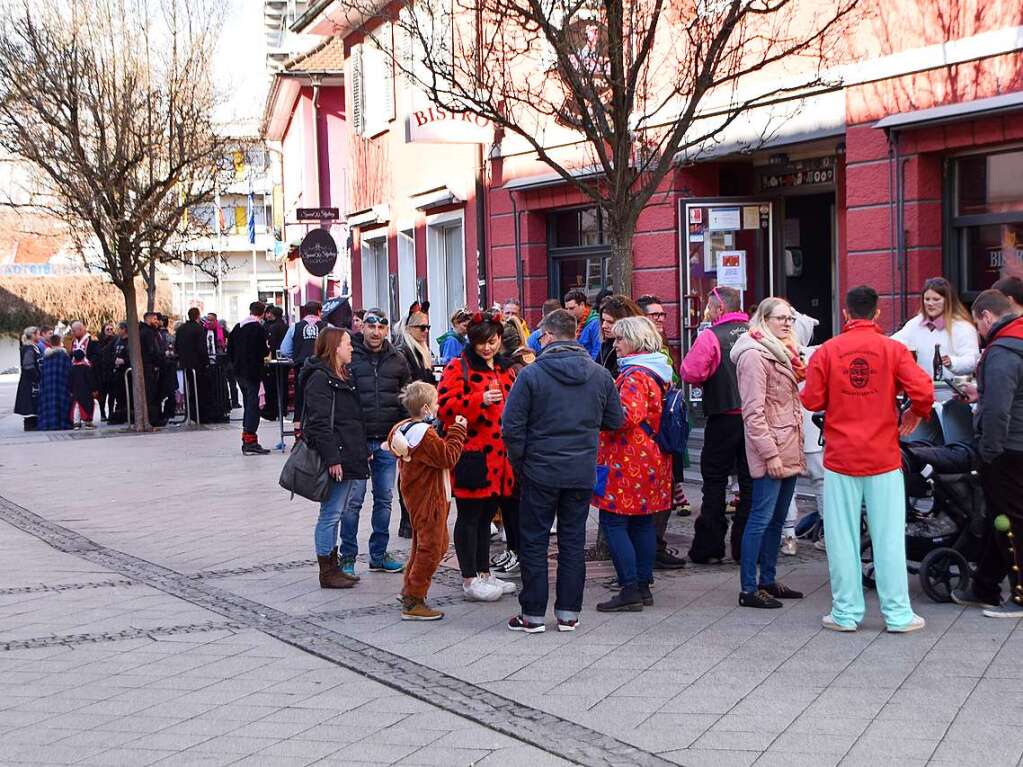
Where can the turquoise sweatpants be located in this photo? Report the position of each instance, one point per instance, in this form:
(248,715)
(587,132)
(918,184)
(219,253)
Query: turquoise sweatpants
(884,496)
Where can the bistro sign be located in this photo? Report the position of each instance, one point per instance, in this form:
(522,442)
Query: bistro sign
(319,252)
(436,125)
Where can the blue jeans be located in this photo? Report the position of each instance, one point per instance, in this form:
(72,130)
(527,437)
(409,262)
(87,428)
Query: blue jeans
(331,510)
(762,537)
(632,539)
(384,468)
(539,506)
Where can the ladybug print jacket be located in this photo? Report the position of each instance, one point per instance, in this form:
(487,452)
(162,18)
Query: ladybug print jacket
(484,470)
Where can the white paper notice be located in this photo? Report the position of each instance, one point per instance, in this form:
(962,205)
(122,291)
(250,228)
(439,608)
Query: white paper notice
(732,269)
(724,219)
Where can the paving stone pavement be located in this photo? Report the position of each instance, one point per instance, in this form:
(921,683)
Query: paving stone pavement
(166,611)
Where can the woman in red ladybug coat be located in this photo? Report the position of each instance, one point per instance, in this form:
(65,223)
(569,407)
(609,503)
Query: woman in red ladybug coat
(475,385)
(639,478)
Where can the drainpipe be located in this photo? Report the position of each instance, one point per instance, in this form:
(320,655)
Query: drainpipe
(319,176)
(897,226)
(481,232)
(892,213)
(519,279)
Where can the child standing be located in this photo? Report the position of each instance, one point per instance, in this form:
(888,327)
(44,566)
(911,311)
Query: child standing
(424,476)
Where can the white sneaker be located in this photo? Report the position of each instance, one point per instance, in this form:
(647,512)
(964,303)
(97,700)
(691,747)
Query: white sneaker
(788,546)
(479,590)
(507,587)
(914,625)
(832,625)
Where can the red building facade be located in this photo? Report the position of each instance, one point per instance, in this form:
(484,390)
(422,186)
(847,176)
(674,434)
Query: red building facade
(912,167)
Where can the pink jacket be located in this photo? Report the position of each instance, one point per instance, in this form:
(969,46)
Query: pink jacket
(705,355)
(771,410)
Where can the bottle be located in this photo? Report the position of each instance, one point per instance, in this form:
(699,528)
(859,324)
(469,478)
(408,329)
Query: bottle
(939,368)
(494,385)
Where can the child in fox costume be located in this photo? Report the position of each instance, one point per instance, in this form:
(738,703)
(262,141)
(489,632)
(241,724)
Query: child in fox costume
(424,475)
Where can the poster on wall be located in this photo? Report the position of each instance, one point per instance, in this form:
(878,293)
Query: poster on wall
(750,217)
(732,269)
(724,219)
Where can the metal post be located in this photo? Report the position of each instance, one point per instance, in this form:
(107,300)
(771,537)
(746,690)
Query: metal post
(128,393)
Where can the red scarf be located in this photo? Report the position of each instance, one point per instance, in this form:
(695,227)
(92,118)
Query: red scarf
(794,361)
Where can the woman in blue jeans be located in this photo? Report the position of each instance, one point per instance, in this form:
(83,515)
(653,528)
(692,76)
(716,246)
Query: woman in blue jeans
(639,479)
(332,426)
(769,370)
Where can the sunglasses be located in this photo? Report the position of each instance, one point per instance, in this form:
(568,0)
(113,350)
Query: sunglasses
(421,327)
(374,320)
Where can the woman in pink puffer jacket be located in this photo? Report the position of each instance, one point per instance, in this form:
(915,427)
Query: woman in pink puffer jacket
(769,371)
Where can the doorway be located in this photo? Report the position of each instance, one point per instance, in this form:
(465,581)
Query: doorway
(807,256)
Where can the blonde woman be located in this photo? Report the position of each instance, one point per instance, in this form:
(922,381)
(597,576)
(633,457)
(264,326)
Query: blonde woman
(769,371)
(415,347)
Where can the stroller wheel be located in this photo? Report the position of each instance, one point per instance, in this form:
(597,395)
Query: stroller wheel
(943,570)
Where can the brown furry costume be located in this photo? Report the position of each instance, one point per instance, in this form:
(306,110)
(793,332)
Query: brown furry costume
(424,475)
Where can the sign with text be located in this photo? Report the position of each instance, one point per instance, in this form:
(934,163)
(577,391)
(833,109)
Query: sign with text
(435,125)
(317,214)
(319,252)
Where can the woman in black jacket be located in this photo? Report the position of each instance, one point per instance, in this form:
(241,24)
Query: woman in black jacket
(332,425)
(28,384)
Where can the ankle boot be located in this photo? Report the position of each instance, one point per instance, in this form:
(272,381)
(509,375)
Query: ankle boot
(627,600)
(646,595)
(331,576)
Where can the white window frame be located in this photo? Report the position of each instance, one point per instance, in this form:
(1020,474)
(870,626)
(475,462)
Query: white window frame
(437,283)
(407,285)
(381,296)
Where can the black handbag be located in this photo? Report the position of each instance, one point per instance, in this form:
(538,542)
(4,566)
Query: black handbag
(305,473)
(471,471)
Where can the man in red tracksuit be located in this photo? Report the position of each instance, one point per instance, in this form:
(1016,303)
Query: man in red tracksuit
(855,378)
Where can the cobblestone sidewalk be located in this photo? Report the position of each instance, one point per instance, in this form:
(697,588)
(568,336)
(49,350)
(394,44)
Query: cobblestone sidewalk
(166,611)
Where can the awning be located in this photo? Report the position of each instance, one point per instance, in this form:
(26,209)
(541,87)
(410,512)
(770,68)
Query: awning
(964,110)
(378,214)
(552,179)
(435,198)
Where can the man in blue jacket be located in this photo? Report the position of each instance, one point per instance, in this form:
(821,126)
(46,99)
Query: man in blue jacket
(551,426)
(588,328)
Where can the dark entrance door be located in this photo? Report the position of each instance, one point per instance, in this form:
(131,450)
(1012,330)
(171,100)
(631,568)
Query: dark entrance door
(807,258)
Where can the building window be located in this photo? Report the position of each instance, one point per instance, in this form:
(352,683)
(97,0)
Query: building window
(375,279)
(578,251)
(987,218)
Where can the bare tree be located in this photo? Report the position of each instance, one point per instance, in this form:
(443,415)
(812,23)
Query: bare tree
(640,84)
(110,103)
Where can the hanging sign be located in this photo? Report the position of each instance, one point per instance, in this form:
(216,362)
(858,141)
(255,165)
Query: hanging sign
(319,252)
(435,125)
(317,214)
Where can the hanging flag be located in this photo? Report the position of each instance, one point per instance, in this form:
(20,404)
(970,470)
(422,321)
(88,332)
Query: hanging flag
(221,223)
(252,215)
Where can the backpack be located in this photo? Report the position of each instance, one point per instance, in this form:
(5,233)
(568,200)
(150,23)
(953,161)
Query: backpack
(672,435)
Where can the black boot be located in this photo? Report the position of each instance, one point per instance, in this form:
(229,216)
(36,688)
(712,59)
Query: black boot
(627,600)
(646,595)
(405,527)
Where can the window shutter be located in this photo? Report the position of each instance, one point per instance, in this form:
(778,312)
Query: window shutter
(358,104)
(387,71)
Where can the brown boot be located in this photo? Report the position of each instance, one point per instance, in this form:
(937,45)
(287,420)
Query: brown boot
(331,576)
(415,609)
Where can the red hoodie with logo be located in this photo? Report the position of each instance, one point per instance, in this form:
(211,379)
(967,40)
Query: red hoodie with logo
(855,378)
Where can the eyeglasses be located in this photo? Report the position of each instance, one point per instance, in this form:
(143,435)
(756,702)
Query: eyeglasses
(421,327)
(657,315)
(785,319)
(374,320)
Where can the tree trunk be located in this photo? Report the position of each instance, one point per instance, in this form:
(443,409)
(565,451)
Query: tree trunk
(620,240)
(138,377)
(151,285)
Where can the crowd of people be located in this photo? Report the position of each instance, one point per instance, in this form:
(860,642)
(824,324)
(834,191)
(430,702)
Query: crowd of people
(527,431)
(536,428)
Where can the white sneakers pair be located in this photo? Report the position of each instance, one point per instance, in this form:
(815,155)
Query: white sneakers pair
(916,624)
(487,588)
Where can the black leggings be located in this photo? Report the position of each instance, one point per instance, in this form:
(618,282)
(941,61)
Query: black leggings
(510,519)
(472,534)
